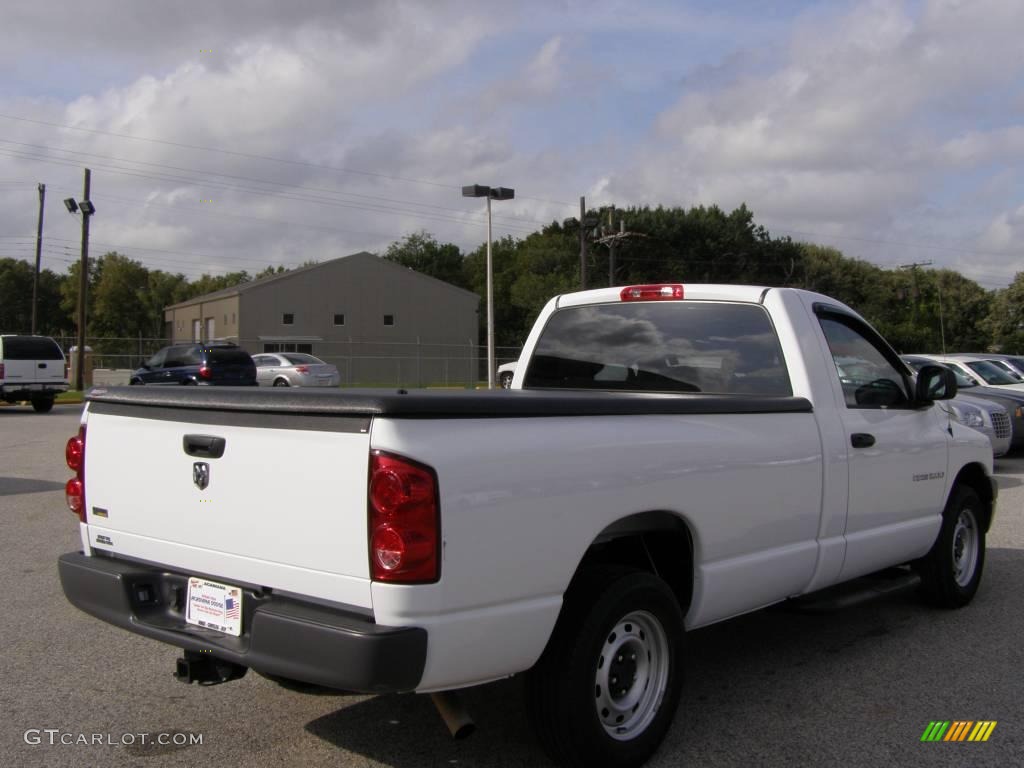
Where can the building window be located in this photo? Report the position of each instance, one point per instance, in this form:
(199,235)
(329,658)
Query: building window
(389,319)
(288,347)
(288,319)
(339,319)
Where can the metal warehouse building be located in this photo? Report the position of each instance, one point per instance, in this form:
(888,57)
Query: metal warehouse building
(381,323)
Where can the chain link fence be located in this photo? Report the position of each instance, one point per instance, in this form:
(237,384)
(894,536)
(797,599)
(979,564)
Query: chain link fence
(360,364)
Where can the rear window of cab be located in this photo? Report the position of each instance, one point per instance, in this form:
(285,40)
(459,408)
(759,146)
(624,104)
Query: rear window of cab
(661,346)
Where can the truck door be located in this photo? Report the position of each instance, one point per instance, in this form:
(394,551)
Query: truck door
(896,453)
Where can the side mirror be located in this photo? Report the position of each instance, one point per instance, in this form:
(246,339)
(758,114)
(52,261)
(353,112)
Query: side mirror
(934,382)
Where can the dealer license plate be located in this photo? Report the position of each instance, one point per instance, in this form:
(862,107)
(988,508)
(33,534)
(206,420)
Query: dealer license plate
(214,606)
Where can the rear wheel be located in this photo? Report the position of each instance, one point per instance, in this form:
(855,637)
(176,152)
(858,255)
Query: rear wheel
(951,572)
(606,688)
(42,404)
(505,379)
(281,382)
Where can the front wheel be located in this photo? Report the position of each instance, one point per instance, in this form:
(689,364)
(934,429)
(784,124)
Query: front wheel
(505,379)
(606,688)
(951,571)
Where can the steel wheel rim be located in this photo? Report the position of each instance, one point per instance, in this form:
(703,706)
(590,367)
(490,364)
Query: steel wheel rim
(631,675)
(965,547)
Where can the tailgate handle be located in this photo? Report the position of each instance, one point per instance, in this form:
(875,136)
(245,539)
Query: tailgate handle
(207,446)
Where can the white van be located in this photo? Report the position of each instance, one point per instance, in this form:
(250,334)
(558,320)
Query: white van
(32,368)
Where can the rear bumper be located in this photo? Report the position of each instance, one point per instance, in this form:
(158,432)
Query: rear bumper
(28,391)
(280,636)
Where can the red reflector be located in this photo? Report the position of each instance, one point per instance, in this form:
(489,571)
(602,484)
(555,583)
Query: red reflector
(204,372)
(660,292)
(74,496)
(404,521)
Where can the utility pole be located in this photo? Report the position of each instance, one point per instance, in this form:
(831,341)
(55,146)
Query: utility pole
(612,239)
(583,244)
(913,266)
(83,285)
(39,255)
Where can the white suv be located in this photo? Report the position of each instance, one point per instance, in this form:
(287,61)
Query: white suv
(31,368)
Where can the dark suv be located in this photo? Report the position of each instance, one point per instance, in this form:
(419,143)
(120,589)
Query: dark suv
(210,363)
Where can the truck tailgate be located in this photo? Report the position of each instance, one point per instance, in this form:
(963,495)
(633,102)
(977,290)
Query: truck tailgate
(269,500)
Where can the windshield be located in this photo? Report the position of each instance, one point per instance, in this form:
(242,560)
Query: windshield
(991,373)
(1008,368)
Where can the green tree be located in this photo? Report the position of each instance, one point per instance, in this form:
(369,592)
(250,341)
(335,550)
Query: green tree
(421,252)
(1005,322)
(210,283)
(16,300)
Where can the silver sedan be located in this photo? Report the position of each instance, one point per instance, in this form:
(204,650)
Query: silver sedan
(294,369)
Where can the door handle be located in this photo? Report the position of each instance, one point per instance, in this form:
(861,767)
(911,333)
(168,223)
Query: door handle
(862,440)
(207,446)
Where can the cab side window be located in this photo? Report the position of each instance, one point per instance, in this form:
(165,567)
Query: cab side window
(868,378)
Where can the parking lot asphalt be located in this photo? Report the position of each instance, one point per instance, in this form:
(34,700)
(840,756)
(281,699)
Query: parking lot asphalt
(855,687)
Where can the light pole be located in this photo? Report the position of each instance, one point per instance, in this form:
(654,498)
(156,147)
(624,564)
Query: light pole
(491,193)
(87,209)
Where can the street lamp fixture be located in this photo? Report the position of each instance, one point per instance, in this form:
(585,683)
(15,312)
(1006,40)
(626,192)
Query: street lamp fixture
(491,193)
(71,205)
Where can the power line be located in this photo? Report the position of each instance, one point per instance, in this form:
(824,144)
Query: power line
(336,169)
(266,193)
(301,187)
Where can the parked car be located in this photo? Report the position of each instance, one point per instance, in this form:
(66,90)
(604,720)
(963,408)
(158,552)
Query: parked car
(206,363)
(294,369)
(1016,362)
(32,368)
(981,371)
(1010,399)
(1010,363)
(506,373)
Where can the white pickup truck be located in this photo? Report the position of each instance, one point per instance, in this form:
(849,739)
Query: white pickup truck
(669,456)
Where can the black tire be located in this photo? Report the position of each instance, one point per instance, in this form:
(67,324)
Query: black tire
(281,383)
(505,379)
(610,616)
(42,404)
(951,572)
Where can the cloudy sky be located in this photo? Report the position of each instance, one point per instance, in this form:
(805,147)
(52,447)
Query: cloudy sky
(223,139)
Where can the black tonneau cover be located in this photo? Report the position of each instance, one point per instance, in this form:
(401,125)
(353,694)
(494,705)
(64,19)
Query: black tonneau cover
(430,404)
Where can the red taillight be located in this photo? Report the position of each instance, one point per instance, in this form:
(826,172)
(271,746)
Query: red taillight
(302,368)
(205,372)
(2,371)
(661,292)
(74,490)
(405,527)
